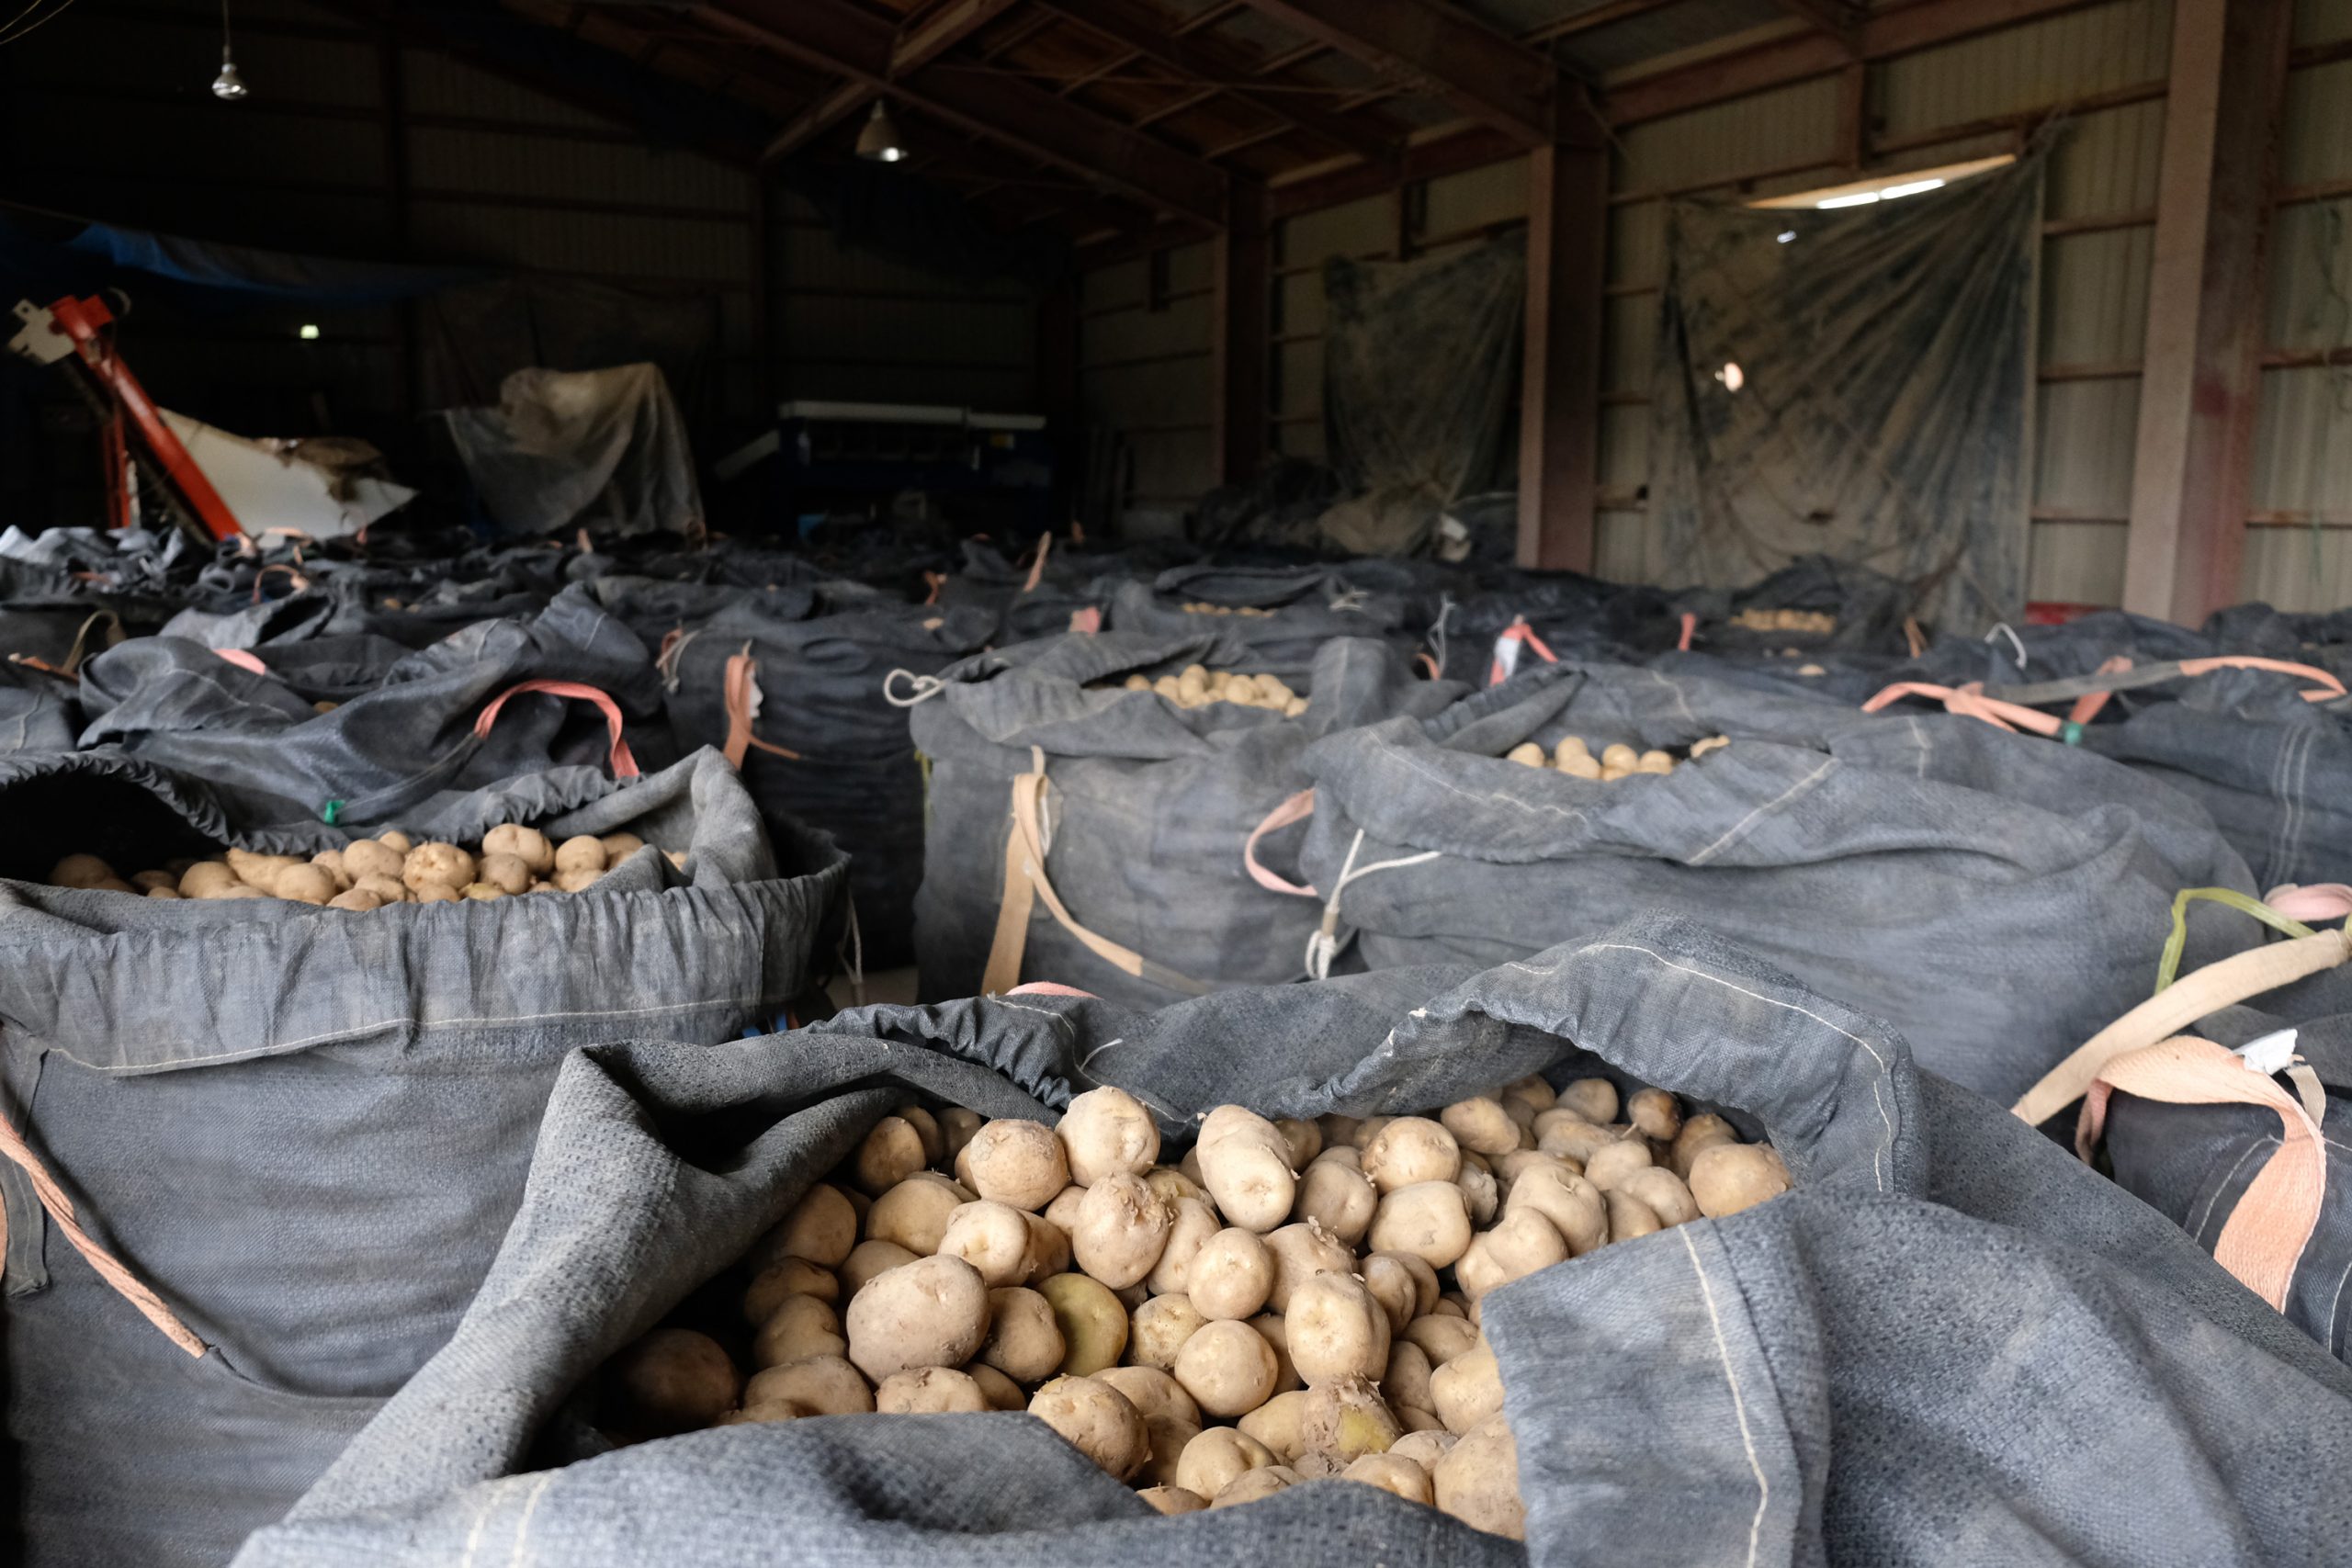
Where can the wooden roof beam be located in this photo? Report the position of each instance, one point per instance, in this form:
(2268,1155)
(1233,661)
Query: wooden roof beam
(1490,77)
(845,37)
(919,42)
(1136,28)
(1841,19)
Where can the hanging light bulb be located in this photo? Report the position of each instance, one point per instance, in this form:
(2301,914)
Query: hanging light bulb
(878,138)
(229,87)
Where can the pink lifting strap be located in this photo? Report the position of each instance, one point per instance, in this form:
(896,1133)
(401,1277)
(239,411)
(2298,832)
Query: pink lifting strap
(2330,687)
(1050,988)
(1297,809)
(1690,627)
(1970,702)
(243,658)
(1520,632)
(2315,905)
(1037,567)
(59,1208)
(2087,707)
(2263,1240)
(741,693)
(623,762)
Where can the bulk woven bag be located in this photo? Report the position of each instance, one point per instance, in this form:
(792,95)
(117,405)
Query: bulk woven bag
(1280,614)
(258,1156)
(1944,1347)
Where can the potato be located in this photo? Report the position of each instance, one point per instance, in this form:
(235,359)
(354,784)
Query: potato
(1613,1163)
(1481,1124)
(786,1277)
(618,847)
(1025,1339)
(1570,1136)
(1270,1328)
(1467,1389)
(480,892)
(931,1312)
(673,1380)
(1409,1150)
(957,1126)
(928,1390)
(328,861)
(891,1152)
(1245,1164)
(1016,1162)
(1122,1228)
(1154,1392)
(397,841)
(828,1386)
(1576,1208)
(1158,1329)
(1002,1392)
(1400,1476)
(1655,1113)
(1664,1194)
(505,872)
(1304,1138)
(822,1227)
(1278,1425)
(1097,1420)
(1347,1418)
(868,1258)
(1425,1447)
(1477,1481)
(1218,1457)
(767,1413)
(304,885)
(1062,1213)
(1165,1437)
(1430,1220)
(1299,1252)
(1699,1134)
(1480,1193)
(1337,1131)
(1172,1184)
(1509,1168)
(579,854)
(1441,1338)
(388,889)
(1227,1367)
(1731,1176)
(1336,1328)
(1094,1324)
(259,871)
(365,857)
(575,881)
(436,865)
(1405,1382)
(992,1237)
(357,901)
(1170,1500)
(1526,754)
(527,845)
(206,879)
(1595,1099)
(1189,1168)
(1524,1243)
(1048,1248)
(1522,1112)
(175,892)
(800,1326)
(926,1126)
(1231,1275)
(1630,1217)
(1335,1196)
(1535,1089)
(1252,1485)
(914,1213)
(1193,1224)
(1107,1131)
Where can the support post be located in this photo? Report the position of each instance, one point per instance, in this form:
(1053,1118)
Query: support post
(1244,301)
(1559,418)
(2201,380)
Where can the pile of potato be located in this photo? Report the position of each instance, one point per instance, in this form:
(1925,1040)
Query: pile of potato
(1197,686)
(1819,622)
(1615,762)
(1202,607)
(369,874)
(1292,1301)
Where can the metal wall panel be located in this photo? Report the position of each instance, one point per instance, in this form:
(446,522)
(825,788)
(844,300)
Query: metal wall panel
(2322,21)
(2084,435)
(2095,296)
(1785,127)
(2095,50)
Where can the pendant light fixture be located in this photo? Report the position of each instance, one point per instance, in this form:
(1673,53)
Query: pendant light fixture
(878,139)
(229,87)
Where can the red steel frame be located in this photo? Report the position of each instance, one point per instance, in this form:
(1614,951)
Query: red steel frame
(81,320)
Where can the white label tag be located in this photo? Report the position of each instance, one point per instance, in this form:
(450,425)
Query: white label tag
(1506,655)
(2271,1054)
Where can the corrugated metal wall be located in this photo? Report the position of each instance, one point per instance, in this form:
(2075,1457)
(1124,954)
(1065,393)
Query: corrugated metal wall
(2108,62)
(1145,369)
(108,114)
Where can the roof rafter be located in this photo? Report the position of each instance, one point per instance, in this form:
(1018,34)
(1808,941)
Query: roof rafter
(1492,79)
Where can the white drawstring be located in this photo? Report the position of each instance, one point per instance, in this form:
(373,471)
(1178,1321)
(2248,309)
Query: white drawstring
(2002,628)
(668,660)
(925,688)
(1324,945)
(1437,630)
(1350,598)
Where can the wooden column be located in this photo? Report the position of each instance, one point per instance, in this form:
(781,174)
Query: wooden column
(1559,416)
(2201,371)
(1243,304)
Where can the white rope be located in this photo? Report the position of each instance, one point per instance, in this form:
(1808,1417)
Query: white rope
(1446,608)
(668,660)
(1324,945)
(925,687)
(2002,628)
(1348,599)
